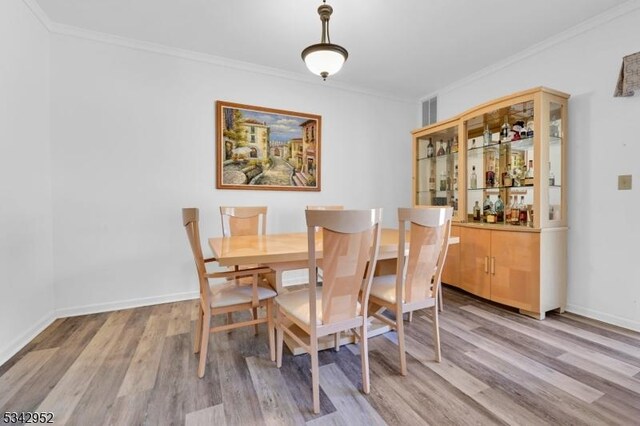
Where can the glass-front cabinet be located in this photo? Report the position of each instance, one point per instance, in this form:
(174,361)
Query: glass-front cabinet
(502,167)
(436,173)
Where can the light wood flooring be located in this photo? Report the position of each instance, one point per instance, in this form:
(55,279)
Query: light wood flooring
(136,366)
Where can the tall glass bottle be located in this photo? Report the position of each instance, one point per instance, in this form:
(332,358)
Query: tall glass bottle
(528,179)
(455,178)
(474,178)
(441,149)
(490,177)
(499,207)
(443,181)
(507,180)
(523,215)
(515,211)
(505,130)
(487,208)
(430,149)
(486,135)
(476,212)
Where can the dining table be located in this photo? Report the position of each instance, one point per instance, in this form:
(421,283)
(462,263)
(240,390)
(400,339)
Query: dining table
(289,251)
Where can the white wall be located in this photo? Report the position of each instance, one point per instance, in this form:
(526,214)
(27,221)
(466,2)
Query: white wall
(26,286)
(604,267)
(133,143)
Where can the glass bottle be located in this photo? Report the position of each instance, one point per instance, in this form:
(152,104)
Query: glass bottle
(455,178)
(490,177)
(530,129)
(515,211)
(486,135)
(507,212)
(552,177)
(505,130)
(430,149)
(454,148)
(441,149)
(443,181)
(487,208)
(528,179)
(523,215)
(474,178)
(476,212)
(507,180)
(432,183)
(499,206)
(448,148)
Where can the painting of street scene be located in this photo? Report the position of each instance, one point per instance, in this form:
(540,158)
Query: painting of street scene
(264,148)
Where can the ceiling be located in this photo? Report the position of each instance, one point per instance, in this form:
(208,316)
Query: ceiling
(403,48)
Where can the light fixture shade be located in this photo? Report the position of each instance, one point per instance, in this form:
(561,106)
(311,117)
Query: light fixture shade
(324,59)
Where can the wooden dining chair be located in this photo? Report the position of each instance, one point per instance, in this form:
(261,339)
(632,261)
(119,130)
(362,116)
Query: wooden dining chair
(416,283)
(349,242)
(240,221)
(225,298)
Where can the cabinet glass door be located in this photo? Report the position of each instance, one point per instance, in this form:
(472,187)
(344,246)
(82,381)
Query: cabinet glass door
(437,169)
(500,168)
(555,161)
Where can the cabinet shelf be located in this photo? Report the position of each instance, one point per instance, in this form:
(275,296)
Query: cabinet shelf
(498,188)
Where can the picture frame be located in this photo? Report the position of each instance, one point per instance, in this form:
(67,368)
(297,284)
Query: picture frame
(259,148)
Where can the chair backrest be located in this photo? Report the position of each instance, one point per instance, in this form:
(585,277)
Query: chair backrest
(190,218)
(335,207)
(350,241)
(237,221)
(419,272)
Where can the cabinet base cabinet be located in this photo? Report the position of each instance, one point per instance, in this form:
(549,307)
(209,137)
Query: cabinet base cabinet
(523,269)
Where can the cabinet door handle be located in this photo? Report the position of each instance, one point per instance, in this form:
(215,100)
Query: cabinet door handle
(486,264)
(493,265)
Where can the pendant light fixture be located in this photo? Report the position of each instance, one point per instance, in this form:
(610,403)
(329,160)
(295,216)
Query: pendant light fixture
(324,58)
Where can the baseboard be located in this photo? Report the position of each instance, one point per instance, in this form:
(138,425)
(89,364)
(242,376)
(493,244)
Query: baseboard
(604,317)
(21,341)
(125,304)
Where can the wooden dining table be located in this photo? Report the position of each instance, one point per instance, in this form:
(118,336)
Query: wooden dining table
(289,251)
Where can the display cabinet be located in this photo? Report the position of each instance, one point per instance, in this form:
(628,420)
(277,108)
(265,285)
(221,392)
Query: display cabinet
(502,166)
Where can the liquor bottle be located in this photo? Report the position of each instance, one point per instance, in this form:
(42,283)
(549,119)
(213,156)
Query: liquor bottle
(530,129)
(455,178)
(448,182)
(474,178)
(486,135)
(487,206)
(515,211)
(441,149)
(432,183)
(507,180)
(490,177)
(523,215)
(528,179)
(507,212)
(505,130)
(448,148)
(476,212)
(430,149)
(552,177)
(454,148)
(499,206)
(443,181)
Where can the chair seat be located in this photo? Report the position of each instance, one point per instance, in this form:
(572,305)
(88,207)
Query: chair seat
(296,304)
(233,295)
(384,287)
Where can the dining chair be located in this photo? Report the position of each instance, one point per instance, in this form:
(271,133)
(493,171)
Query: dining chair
(225,298)
(349,242)
(240,221)
(415,285)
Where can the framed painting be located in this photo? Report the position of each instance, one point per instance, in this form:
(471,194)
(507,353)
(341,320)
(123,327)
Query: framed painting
(265,148)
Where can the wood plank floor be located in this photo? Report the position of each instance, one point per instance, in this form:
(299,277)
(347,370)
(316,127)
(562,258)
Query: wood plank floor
(137,367)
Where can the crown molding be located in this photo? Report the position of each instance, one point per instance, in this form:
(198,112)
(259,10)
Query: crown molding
(72,31)
(37,11)
(581,28)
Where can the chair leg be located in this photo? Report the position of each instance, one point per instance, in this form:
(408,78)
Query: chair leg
(279,338)
(255,317)
(315,375)
(198,336)
(440,299)
(272,343)
(337,342)
(410,316)
(204,345)
(400,330)
(229,320)
(364,358)
(436,334)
